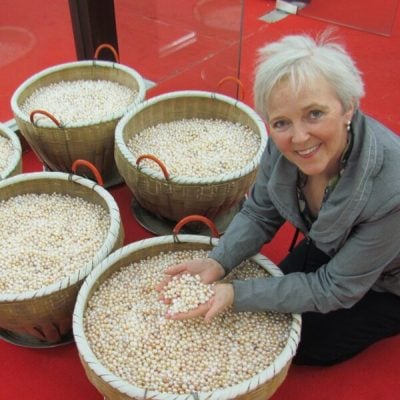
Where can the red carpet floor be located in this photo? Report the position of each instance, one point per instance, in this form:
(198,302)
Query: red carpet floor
(33,37)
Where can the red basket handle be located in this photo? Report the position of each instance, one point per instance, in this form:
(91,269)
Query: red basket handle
(196,218)
(106,46)
(47,114)
(88,164)
(155,159)
(237,81)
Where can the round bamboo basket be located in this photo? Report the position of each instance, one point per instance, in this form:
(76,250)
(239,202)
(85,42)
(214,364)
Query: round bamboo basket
(260,387)
(43,317)
(60,145)
(14,167)
(174,197)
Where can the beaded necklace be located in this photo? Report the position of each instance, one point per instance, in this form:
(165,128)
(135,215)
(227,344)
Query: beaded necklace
(305,212)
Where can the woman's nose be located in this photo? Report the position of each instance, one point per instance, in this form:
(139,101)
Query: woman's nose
(299,133)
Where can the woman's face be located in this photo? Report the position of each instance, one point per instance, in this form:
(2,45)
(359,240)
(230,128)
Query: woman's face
(310,127)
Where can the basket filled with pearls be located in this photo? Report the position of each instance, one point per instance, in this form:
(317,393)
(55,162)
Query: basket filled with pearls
(189,152)
(10,153)
(70,111)
(130,350)
(55,228)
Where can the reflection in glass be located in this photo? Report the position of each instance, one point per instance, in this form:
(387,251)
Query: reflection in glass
(366,15)
(182,45)
(32,38)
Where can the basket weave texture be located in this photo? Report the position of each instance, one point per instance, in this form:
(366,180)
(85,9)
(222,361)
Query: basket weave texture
(179,196)
(46,314)
(260,387)
(15,165)
(59,147)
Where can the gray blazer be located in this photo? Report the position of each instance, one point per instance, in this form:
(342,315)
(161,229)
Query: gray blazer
(358,226)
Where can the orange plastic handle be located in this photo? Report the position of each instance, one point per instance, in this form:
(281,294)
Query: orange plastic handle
(155,159)
(106,46)
(236,80)
(196,218)
(88,164)
(47,114)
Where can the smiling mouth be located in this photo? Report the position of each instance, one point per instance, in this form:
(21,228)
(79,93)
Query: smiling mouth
(308,152)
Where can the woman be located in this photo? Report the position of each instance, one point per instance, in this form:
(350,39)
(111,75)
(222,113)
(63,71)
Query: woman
(334,173)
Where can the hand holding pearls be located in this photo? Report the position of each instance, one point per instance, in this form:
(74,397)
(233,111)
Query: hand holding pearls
(186,293)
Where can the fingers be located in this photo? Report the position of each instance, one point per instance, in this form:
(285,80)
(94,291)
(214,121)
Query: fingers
(164,299)
(160,287)
(216,308)
(170,272)
(196,312)
(176,269)
(223,299)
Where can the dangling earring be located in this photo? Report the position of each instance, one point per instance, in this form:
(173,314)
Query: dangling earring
(348,126)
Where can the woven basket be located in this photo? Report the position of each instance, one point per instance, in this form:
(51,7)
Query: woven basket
(45,315)
(175,197)
(15,165)
(260,387)
(59,146)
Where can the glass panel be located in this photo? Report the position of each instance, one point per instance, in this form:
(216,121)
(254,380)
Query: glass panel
(367,15)
(33,36)
(181,45)
(174,44)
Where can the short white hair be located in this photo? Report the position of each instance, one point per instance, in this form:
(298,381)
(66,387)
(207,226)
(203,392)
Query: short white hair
(301,59)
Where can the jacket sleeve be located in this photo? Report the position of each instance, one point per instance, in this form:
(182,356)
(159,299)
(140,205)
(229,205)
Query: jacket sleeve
(254,225)
(355,268)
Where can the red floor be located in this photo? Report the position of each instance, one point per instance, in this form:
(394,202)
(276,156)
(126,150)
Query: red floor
(33,38)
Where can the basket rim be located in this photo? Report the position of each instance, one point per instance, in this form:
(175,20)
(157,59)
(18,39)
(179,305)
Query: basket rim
(181,179)
(130,390)
(16,157)
(69,65)
(103,251)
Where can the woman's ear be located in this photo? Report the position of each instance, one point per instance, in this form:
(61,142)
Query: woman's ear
(350,112)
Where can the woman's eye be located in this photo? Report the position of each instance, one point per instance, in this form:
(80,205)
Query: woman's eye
(279,124)
(315,114)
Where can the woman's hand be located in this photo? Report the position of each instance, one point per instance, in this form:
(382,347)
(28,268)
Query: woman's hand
(208,269)
(222,299)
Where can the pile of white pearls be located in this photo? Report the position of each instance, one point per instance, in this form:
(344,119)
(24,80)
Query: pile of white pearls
(7,151)
(186,292)
(46,237)
(79,102)
(197,147)
(126,327)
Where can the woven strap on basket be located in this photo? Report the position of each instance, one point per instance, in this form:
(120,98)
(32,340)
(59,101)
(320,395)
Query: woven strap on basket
(85,163)
(109,47)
